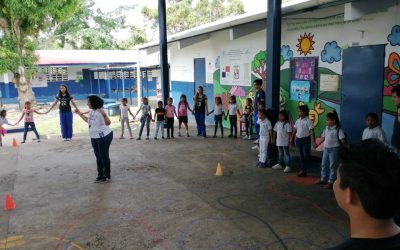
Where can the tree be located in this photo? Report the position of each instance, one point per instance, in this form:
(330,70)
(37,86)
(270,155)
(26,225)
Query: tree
(90,28)
(259,64)
(186,14)
(21,22)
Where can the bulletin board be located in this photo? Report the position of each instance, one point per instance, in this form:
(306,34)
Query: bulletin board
(304,72)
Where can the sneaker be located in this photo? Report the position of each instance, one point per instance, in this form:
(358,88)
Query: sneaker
(163,138)
(138,139)
(198,134)
(235,136)
(321,182)
(244,137)
(187,135)
(131,138)
(254,147)
(38,140)
(277,167)
(64,139)
(99,179)
(172,137)
(230,136)
(214,136)
(302,174)
(179,134)
(249,137)
(262,165)
(328,186)
(155,138)
(258,164)
(287,169)
(23,142)
(69,139)
(255,142)
(147,138)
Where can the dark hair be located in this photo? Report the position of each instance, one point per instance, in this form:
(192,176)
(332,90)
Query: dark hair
(185,102)
(197,93)
(160,102)
(66,91)
(233,97)
(372,171)
(95,101)
(262,103)
(218,98)
(3,113)
(249,100)
(258,81)
(304,108)
(285,115)
(125,99)
(170,99)
(334,117)
(262,112)
(374,116)
(396,89)
(27,103)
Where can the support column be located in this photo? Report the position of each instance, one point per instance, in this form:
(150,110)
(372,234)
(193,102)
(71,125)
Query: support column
(164,69)
(138,80)
(123,83)
(272,86)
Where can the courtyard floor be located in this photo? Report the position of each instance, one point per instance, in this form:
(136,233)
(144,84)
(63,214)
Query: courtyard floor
(164,195)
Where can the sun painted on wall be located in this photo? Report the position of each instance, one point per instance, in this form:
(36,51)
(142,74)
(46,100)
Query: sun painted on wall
(305,45)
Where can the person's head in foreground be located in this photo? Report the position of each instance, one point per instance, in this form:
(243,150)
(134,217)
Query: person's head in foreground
(368,190)
(95,102)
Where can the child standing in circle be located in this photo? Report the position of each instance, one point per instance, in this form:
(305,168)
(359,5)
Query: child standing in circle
(218,114)
(282,135)
(183,107)
(3,120)
(145,118)
(304,135)
(373,130)
(233,113)
(29,122)
(333,136)
(124,117)
(264,137)
(247,111)
(160,114)
(170,111)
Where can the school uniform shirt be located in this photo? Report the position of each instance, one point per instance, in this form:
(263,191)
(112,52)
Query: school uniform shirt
(376,133)
(160,114)
(265,127)
(218,109)
(145,109)
(65,102)
(282,130)
(182,109)
(28,115)
(232,109)
(170,111)
(97,125)
(3,121)
(332,136)
(124,111)
(303,127)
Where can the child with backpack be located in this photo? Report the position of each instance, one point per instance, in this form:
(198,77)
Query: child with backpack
(332,137)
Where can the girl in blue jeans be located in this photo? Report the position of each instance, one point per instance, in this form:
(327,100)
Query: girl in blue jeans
(332,137)
(304,134)
(200,109)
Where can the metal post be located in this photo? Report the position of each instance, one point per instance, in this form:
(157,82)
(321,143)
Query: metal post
(164,70)
(138,80)
(123,83)
(98,82)
(91,84)
(108,88)
(272,86)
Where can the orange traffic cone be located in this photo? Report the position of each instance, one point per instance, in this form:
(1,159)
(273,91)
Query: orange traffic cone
(14,144)
(219,170)
(9,203)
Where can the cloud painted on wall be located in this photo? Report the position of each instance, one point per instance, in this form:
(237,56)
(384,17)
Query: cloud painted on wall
(394,36)
(331,53)
(286,53)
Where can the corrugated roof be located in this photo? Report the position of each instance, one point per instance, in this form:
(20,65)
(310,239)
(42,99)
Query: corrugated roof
(85,57)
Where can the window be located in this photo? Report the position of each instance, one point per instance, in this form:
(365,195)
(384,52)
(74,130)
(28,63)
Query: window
(131,74)
(54,74)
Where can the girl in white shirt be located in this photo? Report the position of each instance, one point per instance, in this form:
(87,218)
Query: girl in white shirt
(282,135)
(218,114)
(124,117)
(3,120)
(101,136)
(233,114)
(304,134)
(373,130)
(145,118)
(332,137)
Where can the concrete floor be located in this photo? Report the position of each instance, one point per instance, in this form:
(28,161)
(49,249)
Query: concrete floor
(164,195)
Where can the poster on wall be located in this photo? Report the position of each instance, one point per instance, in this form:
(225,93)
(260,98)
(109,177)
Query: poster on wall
(328,83)
(304,68)
(300,91)
(39,81)
(236,67)
(210,68)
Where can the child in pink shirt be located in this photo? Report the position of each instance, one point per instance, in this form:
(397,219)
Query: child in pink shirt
(183,107)
(170,111)
(29,122)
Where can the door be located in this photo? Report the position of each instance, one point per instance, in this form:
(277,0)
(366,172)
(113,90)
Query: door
(199,73)
(362,87)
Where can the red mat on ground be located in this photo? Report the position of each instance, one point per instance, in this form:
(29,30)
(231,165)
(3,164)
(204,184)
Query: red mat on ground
(309,180)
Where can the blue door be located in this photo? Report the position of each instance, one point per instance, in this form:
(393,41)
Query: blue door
(199,73)
(362,87)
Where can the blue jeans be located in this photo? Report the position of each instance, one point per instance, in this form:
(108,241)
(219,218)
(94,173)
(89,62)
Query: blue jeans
(160,125)
(256,125)
(66,124)
(304,147)
(233,123)
(144,120)
(329,164)
(201,123)
(33,127)
(218,122)
(101,148)
(284,156)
